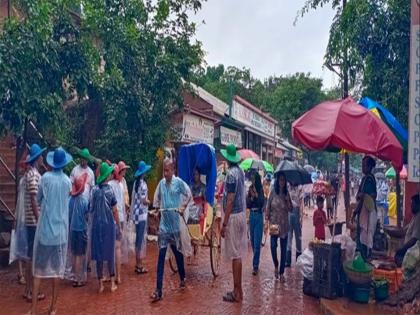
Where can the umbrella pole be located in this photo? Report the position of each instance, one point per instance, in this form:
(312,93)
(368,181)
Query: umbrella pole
(398,191)
(347,187)
(334,222)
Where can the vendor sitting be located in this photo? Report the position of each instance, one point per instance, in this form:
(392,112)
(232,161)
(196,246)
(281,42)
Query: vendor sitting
(198,190)
(413,231)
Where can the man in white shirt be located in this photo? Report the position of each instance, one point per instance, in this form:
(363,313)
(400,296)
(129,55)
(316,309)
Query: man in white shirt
(82,168)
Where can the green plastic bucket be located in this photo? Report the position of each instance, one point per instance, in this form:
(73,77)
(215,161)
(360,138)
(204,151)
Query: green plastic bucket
(381,290)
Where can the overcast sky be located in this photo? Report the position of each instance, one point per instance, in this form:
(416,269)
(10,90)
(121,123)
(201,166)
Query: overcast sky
(260,35)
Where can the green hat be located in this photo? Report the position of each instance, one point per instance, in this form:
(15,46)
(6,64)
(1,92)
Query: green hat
(85,154)
(104,172)
(231,154)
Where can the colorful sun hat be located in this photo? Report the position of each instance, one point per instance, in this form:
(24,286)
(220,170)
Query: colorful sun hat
(58,158)
(104,171)
(79,185)
(122,166)
(85,154)
(231,154)
(34,152)
(142,168)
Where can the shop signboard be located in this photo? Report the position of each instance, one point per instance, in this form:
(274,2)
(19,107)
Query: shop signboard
(252,119)
(414,101)
(228,136)
(197,129)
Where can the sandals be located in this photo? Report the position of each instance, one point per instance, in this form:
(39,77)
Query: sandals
(28,297)
(140,270)
(21,279)
(230,297)
(156,296)
(78,284)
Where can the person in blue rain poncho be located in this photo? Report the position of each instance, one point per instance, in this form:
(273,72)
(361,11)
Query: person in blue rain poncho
(51,236)
(105,225)
(170,197)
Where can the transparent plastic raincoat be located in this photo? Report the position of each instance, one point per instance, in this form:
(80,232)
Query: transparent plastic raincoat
(118,189)
(51,237)
(19,241)
(76,269)
(138,214)
(173,228)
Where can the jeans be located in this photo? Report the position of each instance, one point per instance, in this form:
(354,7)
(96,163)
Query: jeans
(256,233)
(100,267)
(161,266)
(294,228)
(283,248)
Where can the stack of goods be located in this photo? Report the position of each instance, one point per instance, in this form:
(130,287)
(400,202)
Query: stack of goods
(394,278)
(359,274)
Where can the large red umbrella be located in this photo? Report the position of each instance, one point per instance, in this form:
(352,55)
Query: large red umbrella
(248,154)
(344,124)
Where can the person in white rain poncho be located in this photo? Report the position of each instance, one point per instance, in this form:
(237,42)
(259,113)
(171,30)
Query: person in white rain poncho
(173,230)
(139,209)
(51,236)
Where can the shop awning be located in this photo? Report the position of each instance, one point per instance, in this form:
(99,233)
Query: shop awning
(287,144)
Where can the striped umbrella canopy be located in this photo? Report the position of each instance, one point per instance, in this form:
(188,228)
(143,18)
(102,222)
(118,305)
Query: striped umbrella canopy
(389,119)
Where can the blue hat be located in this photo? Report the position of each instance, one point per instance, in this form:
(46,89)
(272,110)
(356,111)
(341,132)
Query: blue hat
(34,152)
(58,158)
(142,168)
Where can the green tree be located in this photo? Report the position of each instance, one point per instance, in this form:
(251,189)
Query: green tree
(291,96)
(125,62)
(371,39)
(42,62)
(147,52)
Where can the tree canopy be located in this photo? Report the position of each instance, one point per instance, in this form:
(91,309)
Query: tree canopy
(130,58)
(371,39)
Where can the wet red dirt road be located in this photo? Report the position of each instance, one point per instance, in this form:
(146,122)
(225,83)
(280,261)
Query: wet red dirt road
(203,295)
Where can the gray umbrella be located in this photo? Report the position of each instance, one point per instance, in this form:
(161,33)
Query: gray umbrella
(309,168)
(295,174)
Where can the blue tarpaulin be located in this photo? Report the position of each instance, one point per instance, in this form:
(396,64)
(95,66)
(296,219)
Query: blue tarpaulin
(390,120)
(199,156)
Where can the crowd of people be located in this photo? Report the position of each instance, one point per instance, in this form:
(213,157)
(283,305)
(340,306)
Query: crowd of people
(70,225)
(66,223)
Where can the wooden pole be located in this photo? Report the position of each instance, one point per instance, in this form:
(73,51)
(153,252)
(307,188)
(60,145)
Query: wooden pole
(398,192)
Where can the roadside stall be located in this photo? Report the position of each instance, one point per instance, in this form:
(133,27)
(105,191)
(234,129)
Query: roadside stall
(345,125)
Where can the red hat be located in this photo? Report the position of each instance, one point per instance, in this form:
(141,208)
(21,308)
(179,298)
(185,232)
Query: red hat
(122,166)
(79,185)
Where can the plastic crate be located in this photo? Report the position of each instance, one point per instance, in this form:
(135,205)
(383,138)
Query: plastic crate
(307,287)
(328,270)
(394,277)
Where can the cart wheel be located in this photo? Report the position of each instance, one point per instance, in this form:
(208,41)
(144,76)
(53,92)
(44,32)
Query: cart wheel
(215,248)
(172,262)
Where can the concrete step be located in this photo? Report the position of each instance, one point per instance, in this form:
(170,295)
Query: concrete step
(344,306)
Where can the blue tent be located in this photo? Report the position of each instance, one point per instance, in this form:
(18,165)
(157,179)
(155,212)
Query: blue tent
(203,157)
(389,119)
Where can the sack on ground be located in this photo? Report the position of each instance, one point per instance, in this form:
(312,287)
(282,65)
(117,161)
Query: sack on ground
(305,264)
(411,261)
